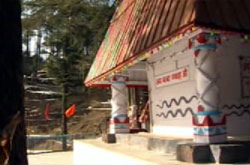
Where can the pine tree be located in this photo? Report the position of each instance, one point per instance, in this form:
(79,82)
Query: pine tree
(73,30)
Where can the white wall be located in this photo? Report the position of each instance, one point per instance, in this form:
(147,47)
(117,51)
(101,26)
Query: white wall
(178,117)
(233,104)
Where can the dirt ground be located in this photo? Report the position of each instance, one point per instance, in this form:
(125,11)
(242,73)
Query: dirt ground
(85,121)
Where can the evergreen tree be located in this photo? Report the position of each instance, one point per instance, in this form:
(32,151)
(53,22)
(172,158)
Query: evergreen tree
(73,31)
(71,27)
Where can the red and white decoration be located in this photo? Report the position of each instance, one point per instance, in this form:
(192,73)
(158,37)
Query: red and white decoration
(119,122)
(209,123)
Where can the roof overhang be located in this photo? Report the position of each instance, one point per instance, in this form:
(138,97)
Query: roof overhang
(140,28)
(129,84)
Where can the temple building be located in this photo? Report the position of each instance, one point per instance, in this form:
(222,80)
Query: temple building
(191,58)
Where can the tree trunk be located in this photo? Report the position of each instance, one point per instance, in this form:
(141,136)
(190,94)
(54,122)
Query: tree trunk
(11,76)
(27,44)
(38,51)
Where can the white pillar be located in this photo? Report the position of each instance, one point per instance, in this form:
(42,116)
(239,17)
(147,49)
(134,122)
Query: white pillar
(119,122)
(209,122)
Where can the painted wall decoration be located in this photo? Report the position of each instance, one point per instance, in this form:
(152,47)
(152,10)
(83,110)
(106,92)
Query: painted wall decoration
(234,71)
(119,122)
(175,113)
(233,106)
(236,110)
(179,112)
(173,116)
(176,102)
(209,123)
(174,95)
(239,114)
(177,76)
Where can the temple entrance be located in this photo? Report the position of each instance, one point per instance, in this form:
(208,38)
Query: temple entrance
(138,110)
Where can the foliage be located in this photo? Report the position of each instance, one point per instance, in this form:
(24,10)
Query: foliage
(30,64)
(72,30)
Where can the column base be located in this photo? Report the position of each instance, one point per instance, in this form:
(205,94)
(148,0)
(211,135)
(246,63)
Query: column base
(213,153)
(119,124)
(109,138)
(119,128)
(210,139)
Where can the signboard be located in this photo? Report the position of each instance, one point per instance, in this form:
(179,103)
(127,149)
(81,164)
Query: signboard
(245,76)
(246,87)
(174,77)
(245,67)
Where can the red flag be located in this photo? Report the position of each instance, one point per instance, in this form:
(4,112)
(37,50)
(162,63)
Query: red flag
(71,111)
(46,112)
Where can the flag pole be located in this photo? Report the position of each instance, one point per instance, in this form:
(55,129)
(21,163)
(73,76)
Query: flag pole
(64,119)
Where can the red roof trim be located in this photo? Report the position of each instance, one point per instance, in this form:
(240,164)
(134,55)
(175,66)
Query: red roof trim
(137,25)
(183,29)
(88,83)
(108,86)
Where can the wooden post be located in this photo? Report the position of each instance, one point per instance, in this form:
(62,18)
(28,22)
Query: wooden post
(64,119)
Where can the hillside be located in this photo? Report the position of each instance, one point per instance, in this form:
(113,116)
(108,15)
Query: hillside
(92,108)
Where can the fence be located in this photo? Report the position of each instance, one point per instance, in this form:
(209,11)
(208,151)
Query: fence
(36,124)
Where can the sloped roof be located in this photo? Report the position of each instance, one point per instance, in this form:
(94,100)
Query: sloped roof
(137,25)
